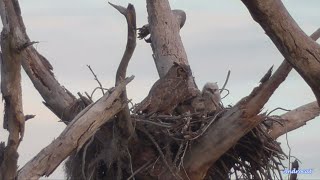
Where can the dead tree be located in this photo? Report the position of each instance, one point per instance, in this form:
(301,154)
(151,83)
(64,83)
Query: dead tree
(180,140)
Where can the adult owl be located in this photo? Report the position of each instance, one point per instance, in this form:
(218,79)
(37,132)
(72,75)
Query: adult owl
(212,98)
(167,92)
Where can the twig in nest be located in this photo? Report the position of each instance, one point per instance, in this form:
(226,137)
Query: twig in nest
(178,154)
(207,126)
(84,157)
(160,152)
(228,92)
(96,78)
(226,81)
(278,108)
(88,96)
(154,123)
(139,169)
(181,161)
(130,161)
(272,118)
(96,89)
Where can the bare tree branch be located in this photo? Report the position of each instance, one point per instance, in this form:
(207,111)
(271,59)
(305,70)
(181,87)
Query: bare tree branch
(96,78)
(301,52)
(295,119)
(80,129)
(124,122)
(56,97)
(11,90)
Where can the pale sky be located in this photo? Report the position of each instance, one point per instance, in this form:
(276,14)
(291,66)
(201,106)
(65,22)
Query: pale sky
(218,36)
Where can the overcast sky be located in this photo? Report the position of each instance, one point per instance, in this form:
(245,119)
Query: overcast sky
(218,36)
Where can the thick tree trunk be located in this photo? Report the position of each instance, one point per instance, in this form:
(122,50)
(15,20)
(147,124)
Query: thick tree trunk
(11,91)
(166,42)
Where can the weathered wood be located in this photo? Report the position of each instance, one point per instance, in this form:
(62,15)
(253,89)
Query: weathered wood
(11,90)
(13,119)
(180,15)
(56,97)
(234,124)
(295,119)
(80,129)
(301,51)
(124,122)
(166,42)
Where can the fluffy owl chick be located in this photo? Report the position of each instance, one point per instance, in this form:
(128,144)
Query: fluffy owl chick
(167,92)
(211,96)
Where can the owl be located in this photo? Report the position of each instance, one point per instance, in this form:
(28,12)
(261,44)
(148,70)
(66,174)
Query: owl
(193,105)
(212,98)
(167,92)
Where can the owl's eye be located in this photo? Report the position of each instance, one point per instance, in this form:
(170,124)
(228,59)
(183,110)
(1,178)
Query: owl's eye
(180,71)
(212,90)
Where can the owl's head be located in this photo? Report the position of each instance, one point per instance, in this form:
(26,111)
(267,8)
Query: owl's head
(182,70)
(211,87)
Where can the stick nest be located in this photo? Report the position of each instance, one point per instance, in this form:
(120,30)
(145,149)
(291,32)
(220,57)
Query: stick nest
(255,156)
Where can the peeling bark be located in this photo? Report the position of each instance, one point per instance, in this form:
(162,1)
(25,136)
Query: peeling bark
(11,90)
(58,99)
(13,119)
